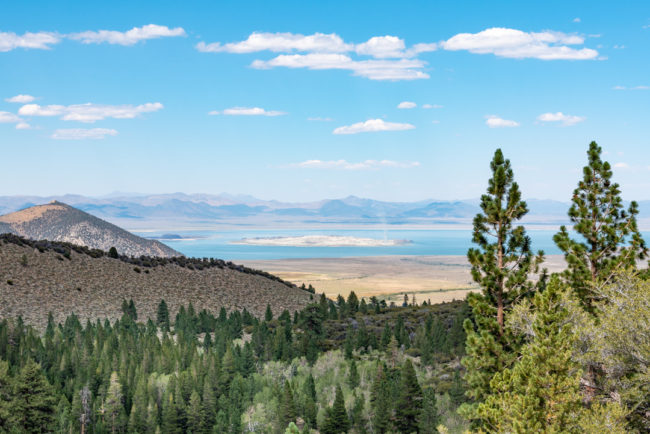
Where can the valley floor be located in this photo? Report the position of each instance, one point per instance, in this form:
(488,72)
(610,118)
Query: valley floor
(435,278)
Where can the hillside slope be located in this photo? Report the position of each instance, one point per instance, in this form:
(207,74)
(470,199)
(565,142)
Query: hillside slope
(57,221)
(36,278)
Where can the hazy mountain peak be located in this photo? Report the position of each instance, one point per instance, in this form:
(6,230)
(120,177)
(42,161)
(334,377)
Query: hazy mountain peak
(57,221)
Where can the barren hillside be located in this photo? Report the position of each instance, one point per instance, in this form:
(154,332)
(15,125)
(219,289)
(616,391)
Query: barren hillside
(34,281)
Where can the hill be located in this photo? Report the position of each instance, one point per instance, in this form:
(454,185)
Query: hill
(37,277)
(57,221)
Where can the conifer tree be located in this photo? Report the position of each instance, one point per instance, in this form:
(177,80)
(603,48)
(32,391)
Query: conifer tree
(6,397)
(268,315)
(113,406)
(610,239)
(170,422)
(34,401)
(195,415)
(209,405)
(429,416)
(457,391)
(501,265)
(337,418)
(380,401)
(353,375)
(504,259)
(409,403)
(162,316)
(288,406)
(540,392)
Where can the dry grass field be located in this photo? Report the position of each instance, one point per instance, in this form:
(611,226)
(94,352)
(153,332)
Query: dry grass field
(435,278)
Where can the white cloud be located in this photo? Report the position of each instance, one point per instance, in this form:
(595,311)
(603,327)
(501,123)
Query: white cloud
(402,69)
(330,51)
(280,43)
(435,121)
(382,47)
(576,20)
(22,99)
(82,133)
(247,111)
(8,118)
(504,42)
(432,106)
(89,112)
(494,121)
(363,165)
(641,87)
(319,119)
(371,126)
(621,165)
(130,37)
(40,41)
(406,105)
(23,126)
(566,120)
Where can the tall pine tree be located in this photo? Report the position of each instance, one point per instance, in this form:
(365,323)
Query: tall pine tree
(610,239)
(501,265)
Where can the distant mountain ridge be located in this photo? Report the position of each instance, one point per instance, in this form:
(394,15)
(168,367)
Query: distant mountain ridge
(176,209)
(57,221)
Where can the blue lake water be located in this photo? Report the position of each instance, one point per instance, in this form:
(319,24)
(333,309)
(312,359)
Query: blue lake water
(217,244)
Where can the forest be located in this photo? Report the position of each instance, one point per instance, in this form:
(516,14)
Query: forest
(531,352)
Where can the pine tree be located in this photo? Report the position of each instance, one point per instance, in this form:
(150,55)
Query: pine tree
(457,390)
(501,264)
(288,407)
(356,415)
(409,404)
(138,416)
(353,375)
(209,405)
(268,315)
(170,422)
(6,398)
(34,401)
(380,401)
(540,392)
(611,241)
(113,406)
(337,418)
(195,415)
(429,417)
(162,316)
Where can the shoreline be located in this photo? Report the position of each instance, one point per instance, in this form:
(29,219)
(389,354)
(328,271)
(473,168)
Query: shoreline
(440,278)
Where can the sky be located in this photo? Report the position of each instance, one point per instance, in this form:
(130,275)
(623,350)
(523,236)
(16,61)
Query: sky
(300,101)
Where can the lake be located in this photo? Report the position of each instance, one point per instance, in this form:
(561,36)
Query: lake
(217,244)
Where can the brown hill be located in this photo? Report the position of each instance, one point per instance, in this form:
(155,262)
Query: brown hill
(39,277)
(57,221)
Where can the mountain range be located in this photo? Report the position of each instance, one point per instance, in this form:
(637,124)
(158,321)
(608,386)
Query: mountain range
(138,211)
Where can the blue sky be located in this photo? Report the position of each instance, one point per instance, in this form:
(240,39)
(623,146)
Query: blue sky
(299,100)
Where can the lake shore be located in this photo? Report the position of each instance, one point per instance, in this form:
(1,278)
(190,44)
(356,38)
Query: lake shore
(438,278)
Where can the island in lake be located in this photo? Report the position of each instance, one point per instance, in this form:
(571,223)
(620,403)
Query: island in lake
(320,241)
